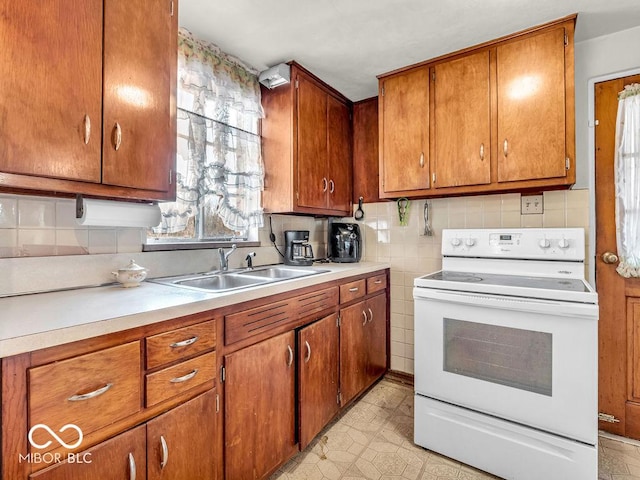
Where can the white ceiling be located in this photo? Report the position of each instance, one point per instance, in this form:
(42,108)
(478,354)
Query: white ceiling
(348,42)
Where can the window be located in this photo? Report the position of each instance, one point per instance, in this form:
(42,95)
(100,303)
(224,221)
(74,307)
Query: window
(219,167)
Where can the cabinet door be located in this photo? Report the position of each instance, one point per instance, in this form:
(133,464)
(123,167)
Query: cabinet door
(353,351)
(120,457)
(318,385)
(376,337)
(140,49)
(260,407)
(404,133)
(340,169)
(181,442)
(50,82)
(313,184)
(531,107)
(462,129)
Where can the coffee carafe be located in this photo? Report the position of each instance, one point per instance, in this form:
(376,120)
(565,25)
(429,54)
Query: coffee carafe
(297,250)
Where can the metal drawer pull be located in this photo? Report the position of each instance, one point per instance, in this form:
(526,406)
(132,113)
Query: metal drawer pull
(378,282)
(325,184)
(186,377)
(364,314)
(421,159)
(332,186)
(117,140)
(87,129)
(482,151)
(290,361)
(354,289)
(184,343)
(370,315)
(87,396)
(132,467)
(505,148)
(165,452)
(308,356)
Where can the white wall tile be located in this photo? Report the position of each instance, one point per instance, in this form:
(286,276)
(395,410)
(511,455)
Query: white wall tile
(66,215)
(8,212)
(129,240)
(36,213)
(102,241)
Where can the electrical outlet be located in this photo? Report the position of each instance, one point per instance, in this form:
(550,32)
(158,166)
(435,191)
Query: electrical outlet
(531,204)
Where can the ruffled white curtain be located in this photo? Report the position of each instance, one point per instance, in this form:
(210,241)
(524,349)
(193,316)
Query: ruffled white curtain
(219,164)
(627,181)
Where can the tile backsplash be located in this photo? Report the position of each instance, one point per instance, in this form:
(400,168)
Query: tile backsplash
(42,248)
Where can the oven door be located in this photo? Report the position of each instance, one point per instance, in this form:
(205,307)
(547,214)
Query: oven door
(530,361)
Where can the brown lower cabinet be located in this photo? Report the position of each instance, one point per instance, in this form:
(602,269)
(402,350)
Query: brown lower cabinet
(177,444)
(260,411)
(363,353)
(318,376)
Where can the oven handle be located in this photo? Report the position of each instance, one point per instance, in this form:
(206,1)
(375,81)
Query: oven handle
(565,309)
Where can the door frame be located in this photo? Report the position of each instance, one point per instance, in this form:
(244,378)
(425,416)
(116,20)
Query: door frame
(591,150)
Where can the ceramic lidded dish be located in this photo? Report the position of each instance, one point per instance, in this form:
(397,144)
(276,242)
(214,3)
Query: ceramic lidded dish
(131,275)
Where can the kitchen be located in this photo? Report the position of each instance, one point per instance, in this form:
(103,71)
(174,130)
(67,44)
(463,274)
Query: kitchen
(404,248)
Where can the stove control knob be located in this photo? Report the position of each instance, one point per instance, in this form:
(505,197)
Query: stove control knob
(563,243)
(470,242)
(544,243)
(455,242)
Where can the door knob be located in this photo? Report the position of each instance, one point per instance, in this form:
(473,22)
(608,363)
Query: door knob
(609,257)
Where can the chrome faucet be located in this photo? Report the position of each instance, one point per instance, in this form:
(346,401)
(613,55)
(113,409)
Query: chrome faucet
(224,257)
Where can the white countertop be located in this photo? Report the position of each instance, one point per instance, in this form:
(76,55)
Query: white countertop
(32,322)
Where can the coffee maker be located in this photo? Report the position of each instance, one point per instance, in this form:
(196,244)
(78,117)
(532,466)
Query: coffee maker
(297,250)
(344,242)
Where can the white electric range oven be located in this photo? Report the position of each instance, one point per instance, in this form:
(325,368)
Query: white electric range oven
(506,354)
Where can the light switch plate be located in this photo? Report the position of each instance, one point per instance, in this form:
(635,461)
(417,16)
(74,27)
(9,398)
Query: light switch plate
(531,204)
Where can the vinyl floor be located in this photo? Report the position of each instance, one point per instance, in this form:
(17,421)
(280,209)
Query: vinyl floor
(373,440)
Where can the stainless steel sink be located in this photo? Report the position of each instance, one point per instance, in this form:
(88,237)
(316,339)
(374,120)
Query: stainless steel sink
(237,279)
(220,282)
(279,273)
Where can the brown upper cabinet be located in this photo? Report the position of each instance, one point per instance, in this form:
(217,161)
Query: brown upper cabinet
(306,135)
(89,108)
(497,117)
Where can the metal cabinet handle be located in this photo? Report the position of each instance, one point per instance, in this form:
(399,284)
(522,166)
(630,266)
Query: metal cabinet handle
(87,396)
(332,186)
(325,184)
(482,151)
(87,129)
(609,257)
(370,315)
(185,343)
(117,136)
(132,467)
(186,377)
(290,361)
(354,289)
(308,356)
(421,159)
(505,147)
(165,452)
(364,314)
(378,282)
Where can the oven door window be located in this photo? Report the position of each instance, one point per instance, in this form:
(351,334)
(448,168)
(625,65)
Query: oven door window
(507,356)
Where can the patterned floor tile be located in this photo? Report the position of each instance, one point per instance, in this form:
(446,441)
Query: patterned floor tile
(373,440)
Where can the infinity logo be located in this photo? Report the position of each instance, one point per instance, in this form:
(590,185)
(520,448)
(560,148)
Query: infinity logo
(53,434)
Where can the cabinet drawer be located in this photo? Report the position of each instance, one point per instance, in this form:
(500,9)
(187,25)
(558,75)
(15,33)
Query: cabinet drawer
(89,391)
(377,283)
(352,290)
(181,343)
(172,381)
(316,302)
(254,321)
